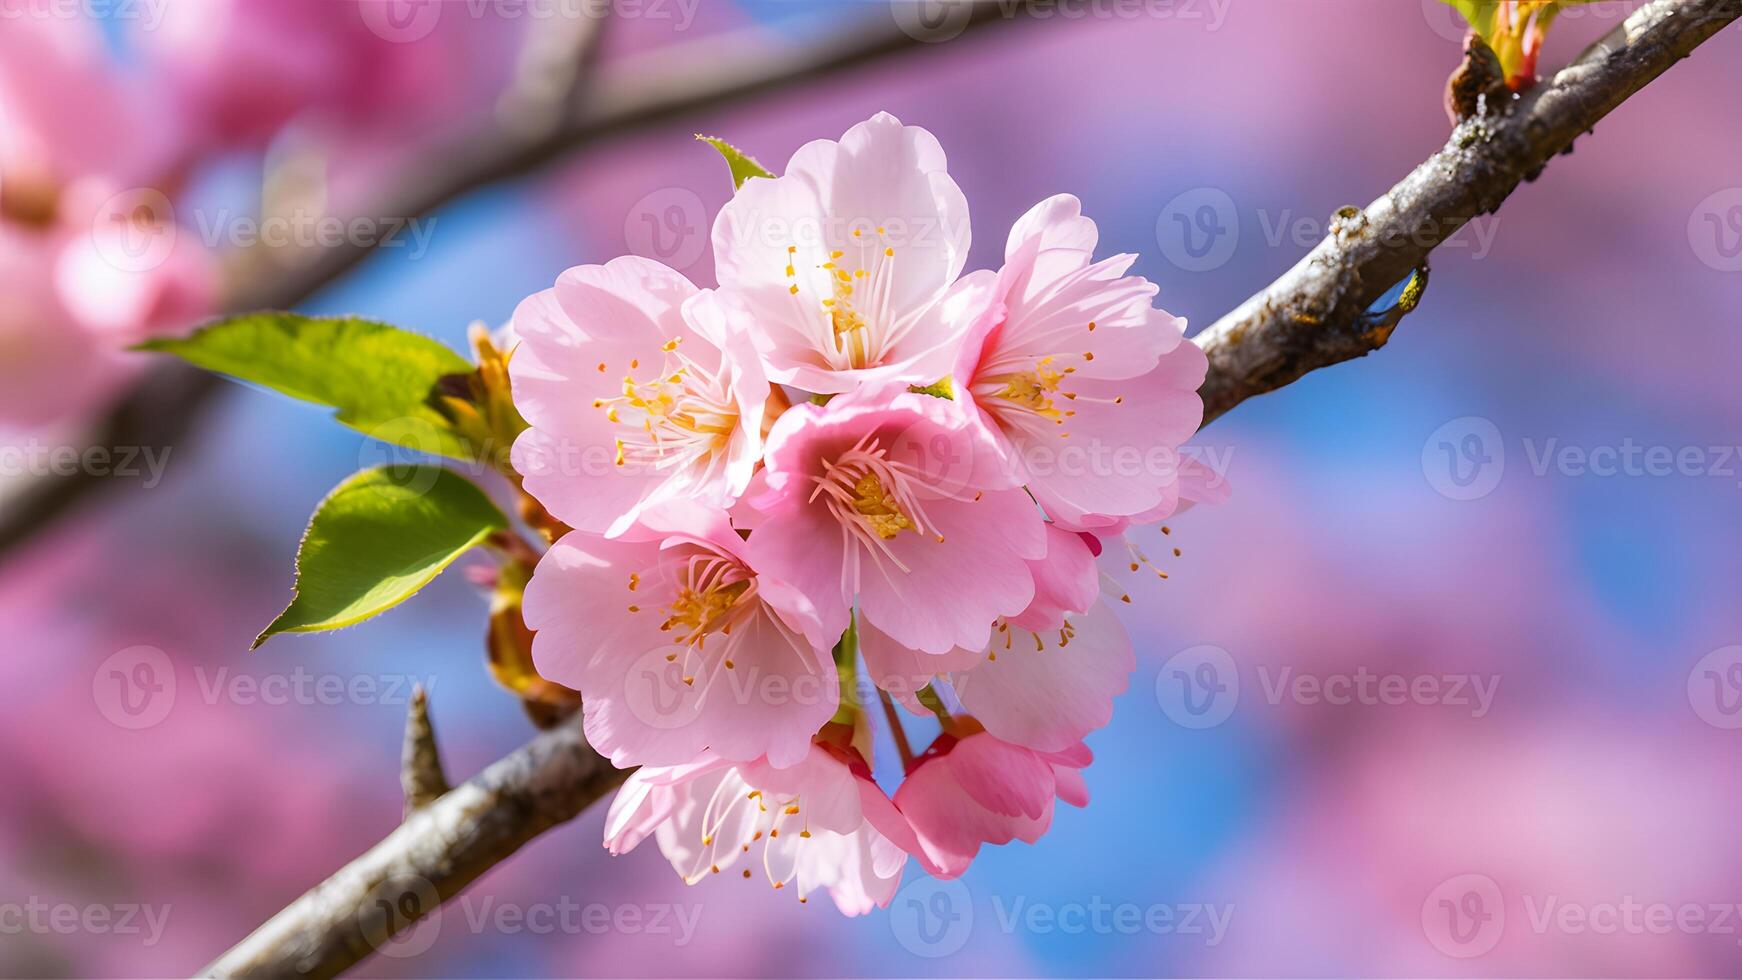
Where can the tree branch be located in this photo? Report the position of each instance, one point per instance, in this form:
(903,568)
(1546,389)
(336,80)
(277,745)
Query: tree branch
(440,849)
(672,83)
(1316,315)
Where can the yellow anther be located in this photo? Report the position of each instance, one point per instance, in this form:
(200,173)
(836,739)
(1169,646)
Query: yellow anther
(879,508)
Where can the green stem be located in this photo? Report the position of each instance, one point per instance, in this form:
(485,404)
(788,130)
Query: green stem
(895,729)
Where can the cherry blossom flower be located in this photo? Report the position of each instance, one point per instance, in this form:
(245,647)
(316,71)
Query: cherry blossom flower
(937,511)
(88,267)
(890,498)
(822,823)
(1048,676)
(637,394)
(1087,389)
(678,645)
(837,268)
(975,789)
(243,69)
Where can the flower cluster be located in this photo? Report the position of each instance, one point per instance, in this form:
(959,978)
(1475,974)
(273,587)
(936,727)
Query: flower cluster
(848,457)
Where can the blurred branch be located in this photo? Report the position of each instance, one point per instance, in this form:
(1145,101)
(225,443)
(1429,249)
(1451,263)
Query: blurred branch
(1318,313)
(647,90)
(440,849)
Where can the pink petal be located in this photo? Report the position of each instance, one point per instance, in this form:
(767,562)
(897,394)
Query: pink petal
(1048,699)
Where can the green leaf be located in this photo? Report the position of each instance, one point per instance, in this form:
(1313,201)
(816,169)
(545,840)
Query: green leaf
(379,377)
(378,538)
(1515,31)
(744,166)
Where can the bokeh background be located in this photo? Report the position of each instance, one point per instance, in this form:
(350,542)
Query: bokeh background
(1555,794)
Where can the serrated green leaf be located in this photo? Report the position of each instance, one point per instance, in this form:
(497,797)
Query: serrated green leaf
(743,165)
(377,539)
(378,376)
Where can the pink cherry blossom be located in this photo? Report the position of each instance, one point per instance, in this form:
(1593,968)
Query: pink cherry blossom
(49,366)
(243,69)
(1047,689)
(1047,678)
(88,268)
(890,498)
(821,823)
(1066,581)
(127,273)
(679,645)
(838,266)
(1087,388)
(637,394)
(977,789)
(68,111)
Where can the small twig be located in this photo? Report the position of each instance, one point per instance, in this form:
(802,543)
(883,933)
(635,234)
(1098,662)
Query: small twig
(1316,314)
(439,850)
(420,767)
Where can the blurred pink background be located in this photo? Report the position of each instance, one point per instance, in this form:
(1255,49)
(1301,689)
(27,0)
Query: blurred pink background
(1554,794)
